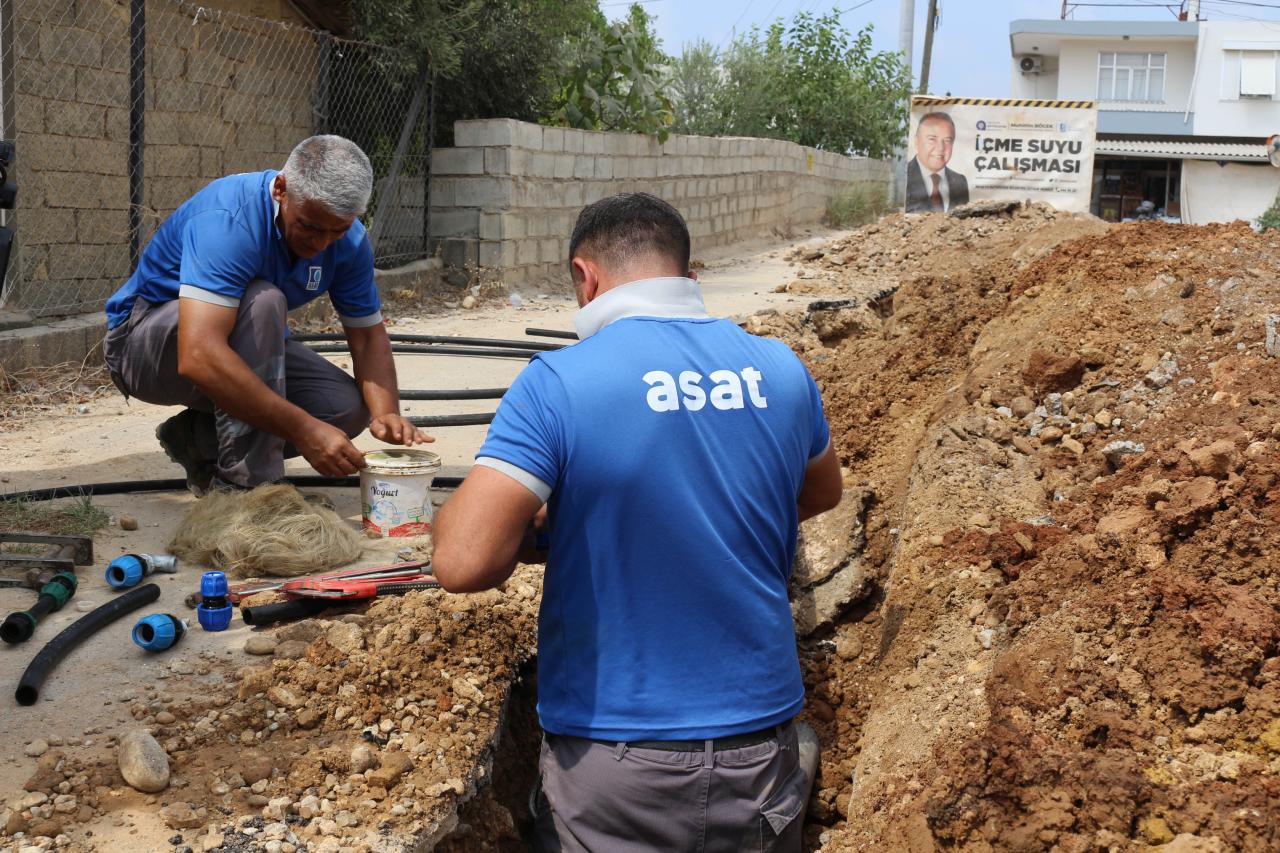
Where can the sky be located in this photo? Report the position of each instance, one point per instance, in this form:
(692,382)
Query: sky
(971,45)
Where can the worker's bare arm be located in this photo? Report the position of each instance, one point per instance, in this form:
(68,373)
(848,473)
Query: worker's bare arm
(822,485)
(375,370)
(205,359)
(479,531)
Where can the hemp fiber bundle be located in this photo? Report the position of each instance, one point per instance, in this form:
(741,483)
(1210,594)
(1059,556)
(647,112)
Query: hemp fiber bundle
(270,530)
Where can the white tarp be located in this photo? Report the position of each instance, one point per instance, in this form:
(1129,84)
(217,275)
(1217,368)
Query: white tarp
(966,149)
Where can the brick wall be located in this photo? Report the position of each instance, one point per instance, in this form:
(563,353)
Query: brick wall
(508,195)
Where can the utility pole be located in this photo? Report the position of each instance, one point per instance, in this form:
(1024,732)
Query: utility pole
(906,37)
(930,24)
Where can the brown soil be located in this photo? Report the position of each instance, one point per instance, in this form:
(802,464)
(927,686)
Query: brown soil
(1065,648)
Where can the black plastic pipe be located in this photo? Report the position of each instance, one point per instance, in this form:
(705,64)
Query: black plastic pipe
(76,633)
(452,420)
(298,608)
(431,349)
(499,343)
(552,333)
(127,487)
(21,624)
(459,394)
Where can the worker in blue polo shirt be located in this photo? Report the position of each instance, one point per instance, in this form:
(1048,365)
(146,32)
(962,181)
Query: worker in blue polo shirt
(201,324)
(675,455)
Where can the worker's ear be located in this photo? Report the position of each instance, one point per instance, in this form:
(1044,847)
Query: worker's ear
(586,279)
(691,275)
(278,187)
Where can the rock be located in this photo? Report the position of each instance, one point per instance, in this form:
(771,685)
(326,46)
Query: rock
(254,767)
(305,630)
(979,519)
(309,717)
(1103,418)
(15,823)
(283,697)
(1216,460)
(36,748)
(143,763)
(260,644)
(848,646)
(362,758)
(212,841)
(1050,434)
(1273,335)
(128,522)
(1162,374)
(181,816)
(394,765)
(277,808)
(1074,446)
(309,807)
(164,718)
(1048,372)
(1117,450)
(1188,843)
(1022,406)
(468,302)
(822,710)
(1270,737)
(1154,830)
(47,827)
(345,637)
(292,649)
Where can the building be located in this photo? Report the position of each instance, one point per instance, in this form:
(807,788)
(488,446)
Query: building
(1184,109)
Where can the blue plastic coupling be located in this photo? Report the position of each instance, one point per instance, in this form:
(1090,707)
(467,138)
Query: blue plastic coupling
(159,631)
(214,611)
(125,571)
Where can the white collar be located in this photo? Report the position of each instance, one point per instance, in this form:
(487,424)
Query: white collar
(670,296)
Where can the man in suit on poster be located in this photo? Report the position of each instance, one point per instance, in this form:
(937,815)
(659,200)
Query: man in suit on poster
(931,186)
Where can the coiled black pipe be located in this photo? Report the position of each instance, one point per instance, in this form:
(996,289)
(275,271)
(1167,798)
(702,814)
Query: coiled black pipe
(76,633)
(430,349)
(438,339)
(298,608)
(125,487)
(459,394)
(551,333)
(452,420)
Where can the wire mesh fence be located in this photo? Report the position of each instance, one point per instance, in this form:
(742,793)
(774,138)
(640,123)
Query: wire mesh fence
(120,111)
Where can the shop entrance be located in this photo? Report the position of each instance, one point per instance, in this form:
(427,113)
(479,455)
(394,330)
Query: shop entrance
(1120,187)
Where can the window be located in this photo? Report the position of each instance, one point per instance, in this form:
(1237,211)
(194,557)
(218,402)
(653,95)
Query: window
(1131,76)
(1257,74)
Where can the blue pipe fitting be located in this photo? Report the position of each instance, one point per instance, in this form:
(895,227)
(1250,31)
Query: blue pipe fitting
(125,571)
(214,611)
(159,631)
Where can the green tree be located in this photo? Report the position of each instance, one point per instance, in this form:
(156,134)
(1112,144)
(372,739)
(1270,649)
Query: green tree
(613,77)
(696,78)
(814,83)
(1270,220)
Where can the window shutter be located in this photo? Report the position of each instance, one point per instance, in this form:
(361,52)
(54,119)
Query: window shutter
(1257,74)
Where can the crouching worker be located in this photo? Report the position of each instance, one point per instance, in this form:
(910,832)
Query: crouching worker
(675,454)
(201,324)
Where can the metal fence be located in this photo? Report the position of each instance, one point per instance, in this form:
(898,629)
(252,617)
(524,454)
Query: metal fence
(120,111)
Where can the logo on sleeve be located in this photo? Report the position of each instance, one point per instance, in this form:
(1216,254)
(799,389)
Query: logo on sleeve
(314,274)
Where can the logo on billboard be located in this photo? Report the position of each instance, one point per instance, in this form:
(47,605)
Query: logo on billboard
(982,125)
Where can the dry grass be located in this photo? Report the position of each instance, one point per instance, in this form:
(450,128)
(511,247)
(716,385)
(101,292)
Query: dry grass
(34,391)
(73,517)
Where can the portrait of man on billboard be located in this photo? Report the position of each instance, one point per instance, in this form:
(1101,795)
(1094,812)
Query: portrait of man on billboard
(931,186)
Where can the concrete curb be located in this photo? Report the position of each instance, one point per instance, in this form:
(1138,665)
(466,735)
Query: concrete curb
(66,340)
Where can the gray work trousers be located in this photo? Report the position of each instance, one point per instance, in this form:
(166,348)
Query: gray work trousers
(616,798)
(142,355)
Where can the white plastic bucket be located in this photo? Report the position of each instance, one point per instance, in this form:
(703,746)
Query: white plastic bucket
(395,491)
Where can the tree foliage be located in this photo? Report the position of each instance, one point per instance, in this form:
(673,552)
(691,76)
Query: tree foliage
(1270,220)
(810,81)
(696,82)
(614,77)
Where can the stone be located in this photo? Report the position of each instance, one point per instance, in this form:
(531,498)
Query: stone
(848,646)
(1103,418)
(128,522)
(394,765)
(1154,830)
(292,649)
(1162,374)
(1270,737)
(309,807)
(181,815)
(346,637)
(283,697)
(1047,372)
(362,758)
(36,748)
(468,302)
(164,718)
(1273,335)
(1117,450)
(1215,460)
(277,808)
(143,762)
(1071,444)
(309,718)
(1022,406)
(979,519)
(212,841)
(260,644)
(254,767)
(1050,434)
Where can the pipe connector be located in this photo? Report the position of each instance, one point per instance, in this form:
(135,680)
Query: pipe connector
(214,611)
(128,569)
(159,631)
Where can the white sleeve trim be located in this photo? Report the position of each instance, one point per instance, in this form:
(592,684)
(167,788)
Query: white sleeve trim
(199,294)
(361,322)
(813,459)
(540,489)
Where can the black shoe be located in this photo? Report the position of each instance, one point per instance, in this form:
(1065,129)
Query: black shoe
(178,440)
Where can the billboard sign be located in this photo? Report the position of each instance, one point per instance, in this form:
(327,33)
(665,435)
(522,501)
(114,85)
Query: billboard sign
(966,149)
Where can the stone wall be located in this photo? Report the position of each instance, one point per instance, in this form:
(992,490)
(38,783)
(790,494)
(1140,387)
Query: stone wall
(506,197)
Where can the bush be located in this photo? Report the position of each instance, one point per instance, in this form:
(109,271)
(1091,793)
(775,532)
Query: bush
(1270,221)
(857,206)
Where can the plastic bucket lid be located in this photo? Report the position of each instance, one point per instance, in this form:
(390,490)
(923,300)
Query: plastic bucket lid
(402,461)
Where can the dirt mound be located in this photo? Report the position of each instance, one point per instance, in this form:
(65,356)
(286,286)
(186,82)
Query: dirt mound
(1070,639)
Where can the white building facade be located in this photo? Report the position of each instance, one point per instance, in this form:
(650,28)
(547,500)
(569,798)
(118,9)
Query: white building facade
(1184,109)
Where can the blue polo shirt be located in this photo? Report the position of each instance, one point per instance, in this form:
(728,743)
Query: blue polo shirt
(225,236)
(671,447)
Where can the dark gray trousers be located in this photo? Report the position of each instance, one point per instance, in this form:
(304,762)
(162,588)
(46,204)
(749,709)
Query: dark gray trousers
(619,799)
(142,355)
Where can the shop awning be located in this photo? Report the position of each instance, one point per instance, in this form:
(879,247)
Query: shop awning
(1182,150)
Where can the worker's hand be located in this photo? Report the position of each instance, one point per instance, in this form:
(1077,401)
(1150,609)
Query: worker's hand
(328,449)
(396,429)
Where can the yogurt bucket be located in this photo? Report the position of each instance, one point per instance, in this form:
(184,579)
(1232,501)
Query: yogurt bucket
(395,491)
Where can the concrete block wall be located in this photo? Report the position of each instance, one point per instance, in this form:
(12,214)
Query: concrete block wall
(506,197)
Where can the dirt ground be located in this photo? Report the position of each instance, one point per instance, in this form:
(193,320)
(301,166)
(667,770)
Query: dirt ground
(421,682)
(1064,634)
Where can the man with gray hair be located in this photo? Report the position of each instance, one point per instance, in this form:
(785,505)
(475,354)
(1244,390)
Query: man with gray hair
(201,323)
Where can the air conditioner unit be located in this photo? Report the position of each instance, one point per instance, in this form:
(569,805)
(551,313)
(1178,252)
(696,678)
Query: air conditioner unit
(1031,64)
